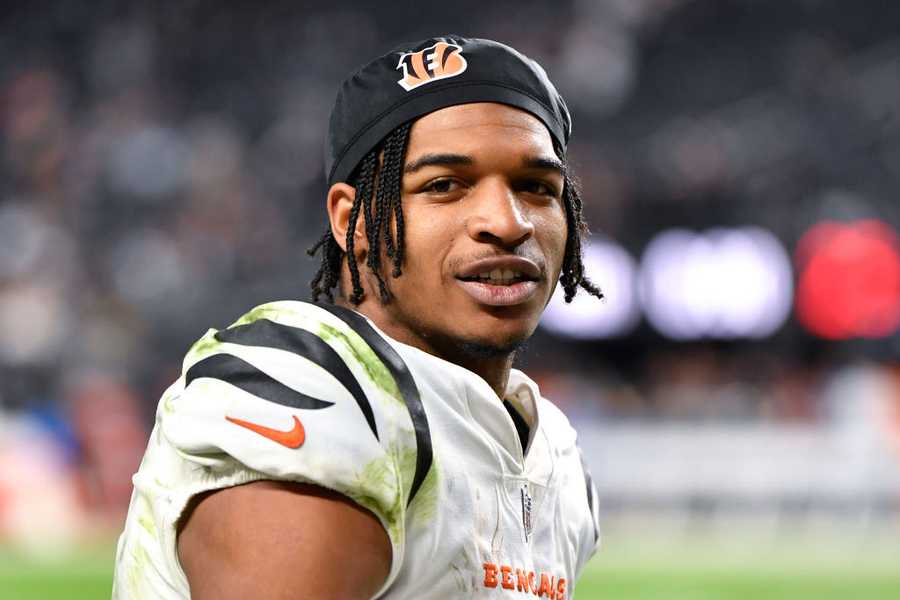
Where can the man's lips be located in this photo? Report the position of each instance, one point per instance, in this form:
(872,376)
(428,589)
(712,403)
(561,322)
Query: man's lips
(492,293)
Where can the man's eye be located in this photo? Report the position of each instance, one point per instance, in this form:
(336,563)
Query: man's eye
(442,186)
(539,187)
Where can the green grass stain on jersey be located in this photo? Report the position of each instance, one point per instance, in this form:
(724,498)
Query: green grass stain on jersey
(365,356)
(140,560)
(202,348)
(208,344)
(266,311)
(379,479)
(423,507)
(168,404)
(406,463)
(146,521)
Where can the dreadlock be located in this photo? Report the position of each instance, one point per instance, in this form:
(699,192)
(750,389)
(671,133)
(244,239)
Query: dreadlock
(572,275)
(378,193)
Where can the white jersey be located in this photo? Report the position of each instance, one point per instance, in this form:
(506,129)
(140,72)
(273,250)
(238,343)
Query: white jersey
(315,393)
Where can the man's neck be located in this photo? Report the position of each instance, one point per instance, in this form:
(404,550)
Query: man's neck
(494,370)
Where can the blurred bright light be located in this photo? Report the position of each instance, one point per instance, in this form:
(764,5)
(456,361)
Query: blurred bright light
(724,283)
(849,283)
(613,270)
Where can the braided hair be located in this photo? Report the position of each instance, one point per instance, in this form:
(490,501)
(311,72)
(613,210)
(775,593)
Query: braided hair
(378,195)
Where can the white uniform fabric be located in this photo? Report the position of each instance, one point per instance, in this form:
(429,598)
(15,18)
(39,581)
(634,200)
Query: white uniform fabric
(424,444)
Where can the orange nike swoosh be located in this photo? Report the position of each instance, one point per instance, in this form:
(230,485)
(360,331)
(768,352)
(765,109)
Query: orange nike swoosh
(292,438)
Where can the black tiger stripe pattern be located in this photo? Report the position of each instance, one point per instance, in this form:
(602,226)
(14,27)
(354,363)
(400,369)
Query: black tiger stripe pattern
(243,375)
(269,334)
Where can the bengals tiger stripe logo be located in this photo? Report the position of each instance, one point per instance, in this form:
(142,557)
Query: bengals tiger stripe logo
(439,61)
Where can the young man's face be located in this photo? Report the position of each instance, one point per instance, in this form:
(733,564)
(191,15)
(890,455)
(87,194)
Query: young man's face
(485,231)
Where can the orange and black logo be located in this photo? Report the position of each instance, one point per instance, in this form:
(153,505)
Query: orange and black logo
(439,61)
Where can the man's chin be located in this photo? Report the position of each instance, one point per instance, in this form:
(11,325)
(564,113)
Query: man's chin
(485,349)
(503,337)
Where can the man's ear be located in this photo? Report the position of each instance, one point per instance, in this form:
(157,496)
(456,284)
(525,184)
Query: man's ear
(340,204)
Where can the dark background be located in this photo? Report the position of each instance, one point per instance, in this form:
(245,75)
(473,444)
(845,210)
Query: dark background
(161,173)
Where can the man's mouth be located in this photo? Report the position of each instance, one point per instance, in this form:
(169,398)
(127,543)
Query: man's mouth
(500,280)
(499,277)
(508,293)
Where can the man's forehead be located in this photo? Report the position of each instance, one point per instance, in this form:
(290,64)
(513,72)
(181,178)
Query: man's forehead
(473,129)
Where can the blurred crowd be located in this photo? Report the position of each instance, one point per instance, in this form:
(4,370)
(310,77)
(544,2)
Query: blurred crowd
(161,172)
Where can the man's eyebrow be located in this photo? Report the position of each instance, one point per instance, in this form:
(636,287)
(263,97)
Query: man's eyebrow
(548,164)
(454,160)
(438,160)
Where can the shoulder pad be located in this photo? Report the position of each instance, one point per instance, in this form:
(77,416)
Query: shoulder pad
(311,359)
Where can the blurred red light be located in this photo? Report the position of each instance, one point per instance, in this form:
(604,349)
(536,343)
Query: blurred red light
(849,280)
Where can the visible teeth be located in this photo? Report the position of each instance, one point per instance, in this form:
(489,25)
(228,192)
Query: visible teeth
(499,275)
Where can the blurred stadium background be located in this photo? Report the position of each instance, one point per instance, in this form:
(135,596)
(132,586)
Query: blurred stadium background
(737,394)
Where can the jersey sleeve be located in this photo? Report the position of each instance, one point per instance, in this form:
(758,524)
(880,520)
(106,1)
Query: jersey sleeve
(293,392)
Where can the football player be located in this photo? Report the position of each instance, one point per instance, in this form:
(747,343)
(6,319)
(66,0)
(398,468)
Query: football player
(379,443)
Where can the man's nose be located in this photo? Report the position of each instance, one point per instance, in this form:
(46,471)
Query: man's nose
(498,216)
